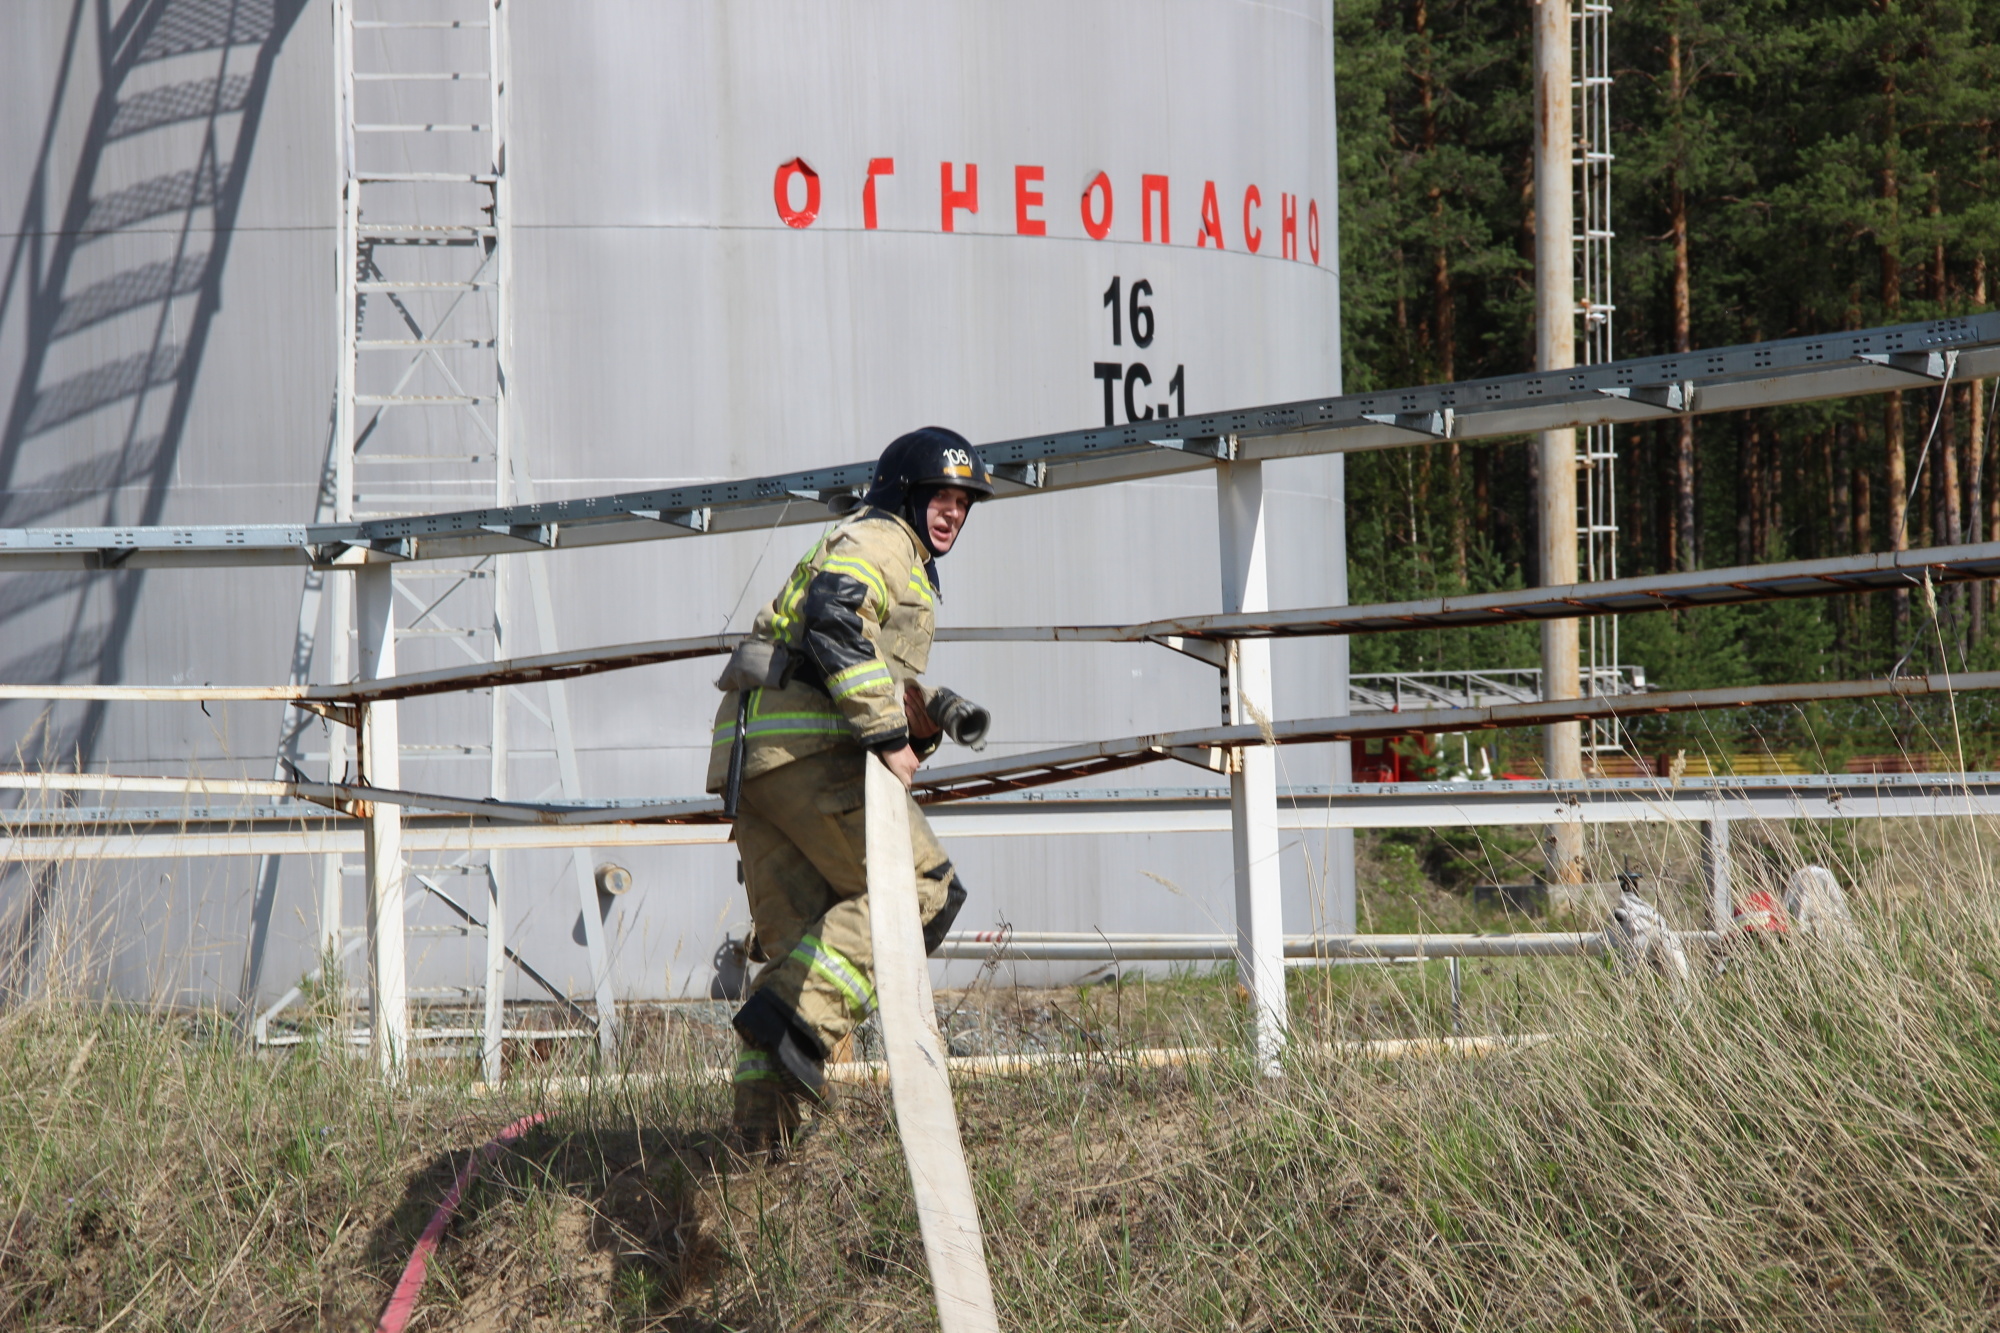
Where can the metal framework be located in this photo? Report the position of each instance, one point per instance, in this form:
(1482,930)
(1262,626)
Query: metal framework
(1393,691)
(374,549)
(1726,379)
(301,827)
(423,421)
(1597,517)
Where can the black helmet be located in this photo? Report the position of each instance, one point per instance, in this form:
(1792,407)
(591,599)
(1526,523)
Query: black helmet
(924,460)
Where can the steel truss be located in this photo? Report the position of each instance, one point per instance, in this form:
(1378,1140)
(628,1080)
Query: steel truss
(1726,379)
(423,421)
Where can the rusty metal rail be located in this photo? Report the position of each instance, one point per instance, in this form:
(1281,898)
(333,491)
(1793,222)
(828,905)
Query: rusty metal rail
(1198,635)
(1206,746)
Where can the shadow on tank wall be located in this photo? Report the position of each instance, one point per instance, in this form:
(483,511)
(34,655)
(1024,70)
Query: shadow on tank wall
(116,285)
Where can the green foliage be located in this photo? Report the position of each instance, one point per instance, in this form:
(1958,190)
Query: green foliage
(1831,166)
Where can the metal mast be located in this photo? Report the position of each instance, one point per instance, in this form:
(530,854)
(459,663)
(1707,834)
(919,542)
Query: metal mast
(422,421)
(1597,519)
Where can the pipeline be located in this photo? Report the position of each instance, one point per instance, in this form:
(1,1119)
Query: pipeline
(1052,946)
(403,1300)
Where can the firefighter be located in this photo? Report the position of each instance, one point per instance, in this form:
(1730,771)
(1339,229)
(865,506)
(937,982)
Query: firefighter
(827,675)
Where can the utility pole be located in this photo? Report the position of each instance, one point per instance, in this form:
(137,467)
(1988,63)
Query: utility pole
(1555,349)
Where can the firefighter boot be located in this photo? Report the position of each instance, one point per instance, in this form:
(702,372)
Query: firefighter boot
(765,1023)
(769,1108)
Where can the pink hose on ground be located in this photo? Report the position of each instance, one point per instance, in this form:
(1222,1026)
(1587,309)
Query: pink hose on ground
(403,1301)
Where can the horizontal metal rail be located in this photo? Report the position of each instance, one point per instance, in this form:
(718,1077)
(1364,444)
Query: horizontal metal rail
(1198,635)
(1837,365)
(1204,746)
(1736,585)
(1033,946)
(119,833)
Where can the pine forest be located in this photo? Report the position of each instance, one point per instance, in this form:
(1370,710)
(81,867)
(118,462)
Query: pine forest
(1783,168)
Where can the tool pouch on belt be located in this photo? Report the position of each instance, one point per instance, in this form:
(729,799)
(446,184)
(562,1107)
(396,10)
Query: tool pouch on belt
(757,664)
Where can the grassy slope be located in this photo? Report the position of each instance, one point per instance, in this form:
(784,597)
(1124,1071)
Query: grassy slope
(1810,1140)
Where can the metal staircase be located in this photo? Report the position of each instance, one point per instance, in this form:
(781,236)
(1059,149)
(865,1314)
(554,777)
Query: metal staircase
(422,423)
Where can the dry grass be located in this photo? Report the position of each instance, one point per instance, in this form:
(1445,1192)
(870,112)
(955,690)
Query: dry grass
(1809,1139)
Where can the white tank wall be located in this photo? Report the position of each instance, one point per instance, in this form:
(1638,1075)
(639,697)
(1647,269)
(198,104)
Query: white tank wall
(669,326)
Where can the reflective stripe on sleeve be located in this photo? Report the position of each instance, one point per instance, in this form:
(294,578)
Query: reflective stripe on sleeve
(859,677)
(838,969)
(862,570)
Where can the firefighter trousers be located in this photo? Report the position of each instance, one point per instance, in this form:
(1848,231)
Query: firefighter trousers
(801,831)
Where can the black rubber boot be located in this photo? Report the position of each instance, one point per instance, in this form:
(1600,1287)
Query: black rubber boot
(767,1023)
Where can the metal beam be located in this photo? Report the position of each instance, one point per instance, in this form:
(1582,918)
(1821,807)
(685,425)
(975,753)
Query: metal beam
(1031,946)
(1068,763)
(261,830)
(1736,585)
(1837,365)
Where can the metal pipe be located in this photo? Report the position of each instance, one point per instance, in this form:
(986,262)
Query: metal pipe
(1029,946)
(1728,586)
(992,1066)
(1047,767)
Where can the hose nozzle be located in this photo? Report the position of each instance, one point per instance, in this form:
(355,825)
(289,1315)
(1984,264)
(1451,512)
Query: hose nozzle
(963,720)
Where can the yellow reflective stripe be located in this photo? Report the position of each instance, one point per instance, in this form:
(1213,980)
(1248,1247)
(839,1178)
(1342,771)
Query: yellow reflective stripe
(835,966)
(811,722)
(756,1065)
(921,586)
(862,570)
(785,724)
(857,678)
(785,609)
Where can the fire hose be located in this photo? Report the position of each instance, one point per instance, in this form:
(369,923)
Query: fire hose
(403,1301)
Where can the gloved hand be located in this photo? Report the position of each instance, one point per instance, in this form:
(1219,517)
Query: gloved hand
(962,720)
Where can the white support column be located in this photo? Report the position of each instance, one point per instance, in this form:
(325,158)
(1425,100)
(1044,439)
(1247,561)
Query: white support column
(332,882)
(1253,778)
(1715,869)
(496,976)
(381,766)
(581,859)
(1341,911)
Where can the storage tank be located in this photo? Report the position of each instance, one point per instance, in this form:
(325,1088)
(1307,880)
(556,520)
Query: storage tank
(747,238)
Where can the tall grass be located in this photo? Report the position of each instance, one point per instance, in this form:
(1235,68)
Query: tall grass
(1807,1138)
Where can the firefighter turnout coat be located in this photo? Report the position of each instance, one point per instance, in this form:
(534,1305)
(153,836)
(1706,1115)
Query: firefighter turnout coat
(856,618)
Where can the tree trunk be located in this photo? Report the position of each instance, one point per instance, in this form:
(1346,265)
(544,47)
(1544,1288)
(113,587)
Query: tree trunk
(1683,313)
(1896,476)
(1840,493)
(1482,492)
(1667,498)
(1890,259)
(1864,497)
(1746,491)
